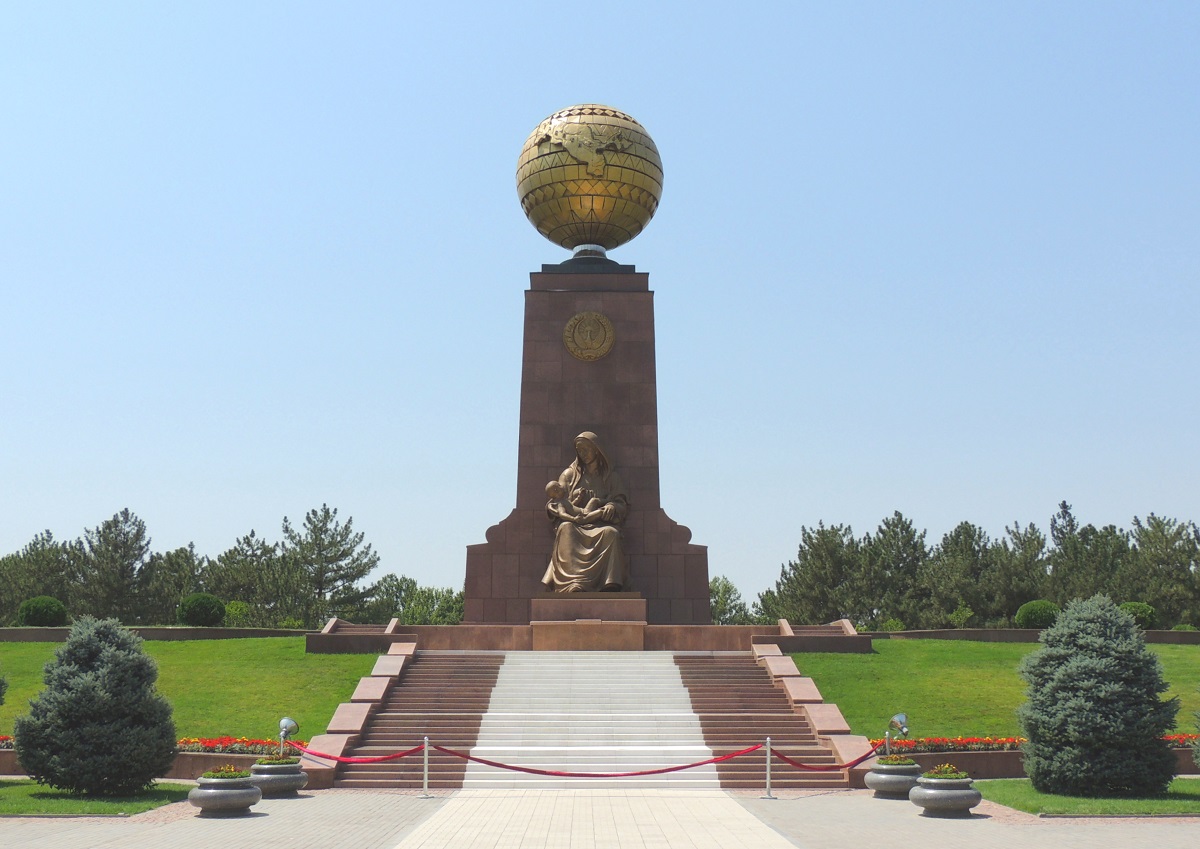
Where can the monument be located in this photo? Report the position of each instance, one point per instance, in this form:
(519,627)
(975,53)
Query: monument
(588,538)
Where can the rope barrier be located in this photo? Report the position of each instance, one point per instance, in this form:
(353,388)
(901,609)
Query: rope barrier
(559,774)
(563,774)
(342,760)
(827,767)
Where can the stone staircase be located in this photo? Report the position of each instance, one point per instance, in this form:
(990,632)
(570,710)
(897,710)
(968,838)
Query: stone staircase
(589,711)
(738,705)
(443,695)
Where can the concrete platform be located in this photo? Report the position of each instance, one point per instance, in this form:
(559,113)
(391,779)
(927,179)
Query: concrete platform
(550,819)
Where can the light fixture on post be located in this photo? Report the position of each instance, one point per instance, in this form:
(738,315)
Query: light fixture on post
(287,727)
(899,724)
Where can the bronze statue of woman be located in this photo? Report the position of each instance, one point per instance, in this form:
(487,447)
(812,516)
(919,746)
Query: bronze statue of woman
(587,554)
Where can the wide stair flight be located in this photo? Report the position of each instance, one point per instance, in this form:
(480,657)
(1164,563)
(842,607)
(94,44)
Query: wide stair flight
(588,711)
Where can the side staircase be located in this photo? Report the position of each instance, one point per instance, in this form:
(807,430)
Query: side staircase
(441,695)
(588,711)
(738,705)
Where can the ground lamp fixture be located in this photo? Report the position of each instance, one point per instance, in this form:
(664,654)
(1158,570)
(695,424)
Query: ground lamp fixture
(899,724)
(287,727)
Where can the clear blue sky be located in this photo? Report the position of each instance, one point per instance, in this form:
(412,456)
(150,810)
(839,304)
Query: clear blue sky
(939,258)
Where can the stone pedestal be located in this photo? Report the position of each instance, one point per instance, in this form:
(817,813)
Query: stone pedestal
(616,397)
(607,607)
(583,635)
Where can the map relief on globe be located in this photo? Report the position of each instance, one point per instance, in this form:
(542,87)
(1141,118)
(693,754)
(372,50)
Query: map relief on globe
(589,178)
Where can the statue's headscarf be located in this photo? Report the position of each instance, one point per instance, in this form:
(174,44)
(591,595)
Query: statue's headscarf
(604,466)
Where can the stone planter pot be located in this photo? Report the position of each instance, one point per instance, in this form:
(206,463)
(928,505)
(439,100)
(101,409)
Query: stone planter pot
(224,797)
(278,779)
(893,780)
(945,797)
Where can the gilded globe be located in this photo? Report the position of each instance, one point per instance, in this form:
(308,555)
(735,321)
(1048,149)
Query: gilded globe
(589,175)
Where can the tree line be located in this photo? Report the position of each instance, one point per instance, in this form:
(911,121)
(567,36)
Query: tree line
(315,571)
(893,579)
(889,579)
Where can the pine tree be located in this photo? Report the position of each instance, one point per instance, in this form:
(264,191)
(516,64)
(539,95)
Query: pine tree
(106,566)
(335,560)
(1094,719)
(99,727)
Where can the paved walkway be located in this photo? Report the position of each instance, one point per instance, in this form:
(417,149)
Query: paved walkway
(564,819)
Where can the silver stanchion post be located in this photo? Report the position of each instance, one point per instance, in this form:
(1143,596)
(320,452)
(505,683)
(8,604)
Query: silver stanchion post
(768,796)
(425,772)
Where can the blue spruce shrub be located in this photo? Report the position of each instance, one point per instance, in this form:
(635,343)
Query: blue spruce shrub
(1094,719)
(99,727)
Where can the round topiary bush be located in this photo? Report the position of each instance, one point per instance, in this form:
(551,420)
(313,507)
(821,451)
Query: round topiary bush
(1143,614)
(202,610)
(1094,719)
(99,727)
(1184,627)
(42,611)
(1039,614)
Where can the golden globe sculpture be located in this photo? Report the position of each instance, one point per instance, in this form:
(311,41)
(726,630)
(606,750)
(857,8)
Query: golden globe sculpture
(589,178)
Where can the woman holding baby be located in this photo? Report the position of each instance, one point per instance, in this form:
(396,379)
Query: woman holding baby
(587,504)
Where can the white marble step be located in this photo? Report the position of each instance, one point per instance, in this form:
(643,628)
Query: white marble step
(590,712)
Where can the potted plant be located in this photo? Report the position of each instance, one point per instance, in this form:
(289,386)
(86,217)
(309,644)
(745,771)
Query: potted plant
(278,776)
(892,776)
(224,791)
(945,791)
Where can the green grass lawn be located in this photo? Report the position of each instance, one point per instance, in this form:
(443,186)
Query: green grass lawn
(1182,797)
(235,687)
(953,688)
(242,687)
(28,797)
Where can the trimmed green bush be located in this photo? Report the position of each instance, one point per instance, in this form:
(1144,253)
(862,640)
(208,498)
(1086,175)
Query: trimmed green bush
(1143,614)
(201,610)
(1184,627)
(42,611)
(99,727)
(238,615)
(1039,614)
(1094,719)
(291,622)
(892,624)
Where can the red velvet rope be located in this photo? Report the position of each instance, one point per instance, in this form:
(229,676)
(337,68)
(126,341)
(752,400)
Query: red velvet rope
(392,757)
(558,774)
(561,774)
(826,767)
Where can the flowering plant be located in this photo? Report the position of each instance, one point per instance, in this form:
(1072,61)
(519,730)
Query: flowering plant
(232,745)
(993,744)
(945,771)
(895,760)
(5,742)
(956,744)
(1181,741)
(226,771)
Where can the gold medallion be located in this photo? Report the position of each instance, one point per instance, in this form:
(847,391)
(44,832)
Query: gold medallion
(589,336)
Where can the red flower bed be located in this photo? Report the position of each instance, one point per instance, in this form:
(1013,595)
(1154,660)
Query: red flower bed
(993,744)
(5,742)
(955,744)
(231,745)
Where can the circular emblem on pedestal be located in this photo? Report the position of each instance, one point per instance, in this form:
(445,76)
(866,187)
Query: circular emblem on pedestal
(589,336)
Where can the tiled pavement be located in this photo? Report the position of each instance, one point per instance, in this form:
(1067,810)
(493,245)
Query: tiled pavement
(646,819)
